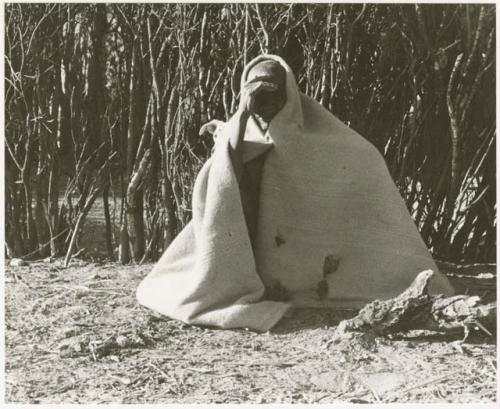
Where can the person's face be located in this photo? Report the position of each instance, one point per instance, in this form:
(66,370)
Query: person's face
(269,103)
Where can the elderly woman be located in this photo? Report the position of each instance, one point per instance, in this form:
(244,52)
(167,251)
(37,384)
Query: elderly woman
(294,202)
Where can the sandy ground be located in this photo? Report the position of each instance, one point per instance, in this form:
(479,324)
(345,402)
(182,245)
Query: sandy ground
(77,335)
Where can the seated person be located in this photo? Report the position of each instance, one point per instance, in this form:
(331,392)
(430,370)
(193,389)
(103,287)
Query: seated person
(293,208)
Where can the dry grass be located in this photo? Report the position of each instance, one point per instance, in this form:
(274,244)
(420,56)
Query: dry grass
(78,336)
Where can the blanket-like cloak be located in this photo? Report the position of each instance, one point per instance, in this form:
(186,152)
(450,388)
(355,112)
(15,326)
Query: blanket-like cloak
(325,194)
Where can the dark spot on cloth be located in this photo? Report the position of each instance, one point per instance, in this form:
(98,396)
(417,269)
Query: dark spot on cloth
(279,240)
(276,292)
(322,289)
(330,265)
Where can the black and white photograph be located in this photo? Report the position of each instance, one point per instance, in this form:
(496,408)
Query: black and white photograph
(249,203)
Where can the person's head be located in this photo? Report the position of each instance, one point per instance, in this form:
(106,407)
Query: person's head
(268,103)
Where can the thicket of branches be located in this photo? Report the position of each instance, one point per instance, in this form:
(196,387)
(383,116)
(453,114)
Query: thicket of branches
(105,101)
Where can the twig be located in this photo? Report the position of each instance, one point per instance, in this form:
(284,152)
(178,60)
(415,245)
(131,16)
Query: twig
(481,326)
(200,370)
(84,288)
(152,365)
(281,364)
(20,280)
(44,244)
(375,395)
(429,382)
(327,395)
(47,351)
(92,350)
(264,31)
(227,375)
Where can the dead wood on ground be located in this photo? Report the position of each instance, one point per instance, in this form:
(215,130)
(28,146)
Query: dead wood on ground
(416,309)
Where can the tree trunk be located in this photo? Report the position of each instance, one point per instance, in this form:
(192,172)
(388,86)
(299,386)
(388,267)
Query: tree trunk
(134,210)
(107,219)
(124,251)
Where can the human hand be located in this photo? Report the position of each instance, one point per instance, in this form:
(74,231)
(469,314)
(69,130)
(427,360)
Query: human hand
(211,127)
(250,92)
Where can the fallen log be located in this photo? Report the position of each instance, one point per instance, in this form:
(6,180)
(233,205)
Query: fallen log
(415,309)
